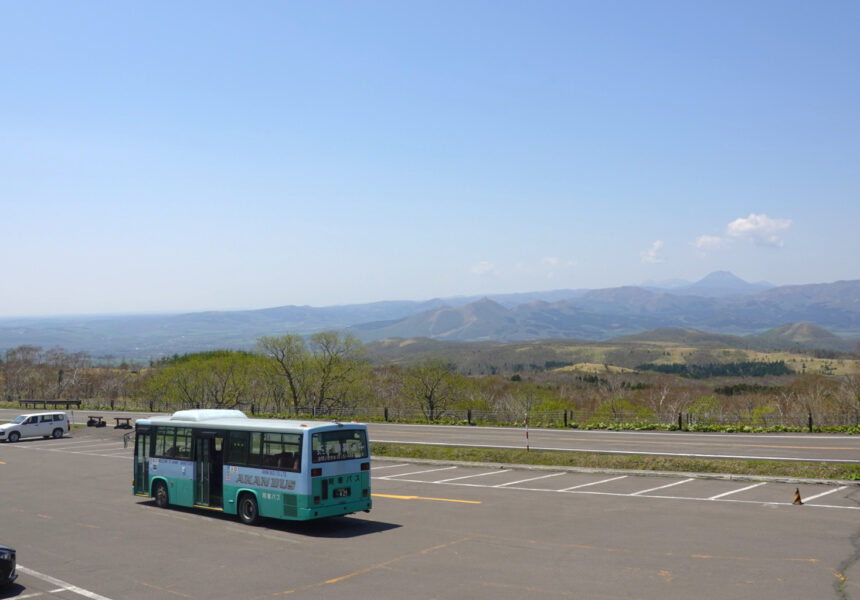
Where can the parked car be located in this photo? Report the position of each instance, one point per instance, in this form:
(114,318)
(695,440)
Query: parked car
(46,424)
(8,574)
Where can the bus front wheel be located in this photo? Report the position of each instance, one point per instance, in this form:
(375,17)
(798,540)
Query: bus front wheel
(160,494)
(248,512)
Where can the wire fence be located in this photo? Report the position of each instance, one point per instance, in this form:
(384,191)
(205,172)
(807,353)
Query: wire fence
(584,418)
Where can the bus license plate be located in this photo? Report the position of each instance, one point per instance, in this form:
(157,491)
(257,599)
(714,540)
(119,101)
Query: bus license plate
(341,492)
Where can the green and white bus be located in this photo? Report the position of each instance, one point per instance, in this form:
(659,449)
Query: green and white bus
(222,460)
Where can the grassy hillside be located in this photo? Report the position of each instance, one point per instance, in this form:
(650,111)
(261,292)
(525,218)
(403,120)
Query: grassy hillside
(661,347)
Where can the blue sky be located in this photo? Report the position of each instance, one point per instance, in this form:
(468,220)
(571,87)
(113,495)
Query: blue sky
(183,156)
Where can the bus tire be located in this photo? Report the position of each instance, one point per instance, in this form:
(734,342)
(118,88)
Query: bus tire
(159,492)
(248,512)
(57,433)
(14,436)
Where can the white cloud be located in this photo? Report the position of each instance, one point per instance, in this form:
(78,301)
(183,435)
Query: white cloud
(549,264)
(553,265)
(760,229)
(547,267)
(550,261)
(649,256)
(483,268)
(708,242)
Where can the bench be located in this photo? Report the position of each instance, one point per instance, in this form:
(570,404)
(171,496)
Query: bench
(122,423)
(95,421)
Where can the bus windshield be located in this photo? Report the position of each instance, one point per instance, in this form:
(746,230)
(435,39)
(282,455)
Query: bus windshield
(346,444)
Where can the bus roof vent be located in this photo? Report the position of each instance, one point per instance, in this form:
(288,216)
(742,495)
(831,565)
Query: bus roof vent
(207,414)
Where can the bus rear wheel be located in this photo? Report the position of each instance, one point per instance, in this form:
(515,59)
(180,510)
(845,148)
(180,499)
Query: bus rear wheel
(248,512)
(160,494)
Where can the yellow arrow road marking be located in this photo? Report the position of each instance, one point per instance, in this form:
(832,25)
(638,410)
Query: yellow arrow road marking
(423,498)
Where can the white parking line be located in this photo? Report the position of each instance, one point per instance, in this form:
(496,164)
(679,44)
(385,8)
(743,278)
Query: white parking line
(82,447)
(62,584)
(527,480)
(126,455)
(390,466)
(70,448)
(576,487)
(72,441)
(662,487)
(839,489)
(470,476)
(724,494)
(416,473)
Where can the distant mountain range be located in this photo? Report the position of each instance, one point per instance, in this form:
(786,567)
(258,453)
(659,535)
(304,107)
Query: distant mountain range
(716,285)
(718,304)
(602,314)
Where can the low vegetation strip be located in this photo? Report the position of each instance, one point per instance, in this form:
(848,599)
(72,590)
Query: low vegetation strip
(796,469)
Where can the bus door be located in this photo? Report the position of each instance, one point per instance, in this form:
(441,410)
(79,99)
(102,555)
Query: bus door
(209,462)
(141,460)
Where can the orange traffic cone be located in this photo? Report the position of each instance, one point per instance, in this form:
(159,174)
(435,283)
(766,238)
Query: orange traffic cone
(797,499)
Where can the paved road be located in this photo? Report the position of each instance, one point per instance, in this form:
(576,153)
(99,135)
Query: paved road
(436,531)
(818,447)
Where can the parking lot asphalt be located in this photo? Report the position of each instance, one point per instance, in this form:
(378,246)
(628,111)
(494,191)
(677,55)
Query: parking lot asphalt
(436,531)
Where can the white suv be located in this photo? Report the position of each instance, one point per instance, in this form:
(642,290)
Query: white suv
(47,424)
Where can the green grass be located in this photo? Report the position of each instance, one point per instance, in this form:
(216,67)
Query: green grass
(802,469)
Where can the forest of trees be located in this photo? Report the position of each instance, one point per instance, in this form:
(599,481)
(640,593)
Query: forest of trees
(330,374)
(744,368)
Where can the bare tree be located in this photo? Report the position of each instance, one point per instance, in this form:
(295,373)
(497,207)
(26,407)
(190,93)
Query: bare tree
(816,393)
(848,394)
(339,364)
(22,369)
(386,384)
(663,397)
(612,390)
(290,354)
(432,386)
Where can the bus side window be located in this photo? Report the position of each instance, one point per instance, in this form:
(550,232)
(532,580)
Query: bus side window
(255,450)
(165,440)
(183,442)
(290,462)
(237,447)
